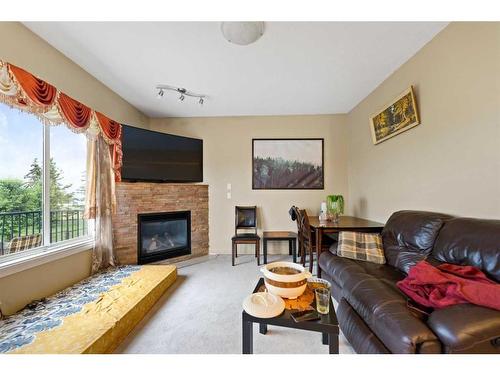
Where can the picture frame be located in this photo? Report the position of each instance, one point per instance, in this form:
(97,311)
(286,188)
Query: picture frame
(288,164)
(400,115)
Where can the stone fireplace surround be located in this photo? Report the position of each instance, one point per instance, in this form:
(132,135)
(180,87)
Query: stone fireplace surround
(133,198)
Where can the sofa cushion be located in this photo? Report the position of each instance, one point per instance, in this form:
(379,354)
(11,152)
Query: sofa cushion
(471,242)
(338,268)
(384,310)
(409,237)
(467,328)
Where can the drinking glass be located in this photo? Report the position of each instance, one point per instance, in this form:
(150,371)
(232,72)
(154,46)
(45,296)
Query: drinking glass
(322,300)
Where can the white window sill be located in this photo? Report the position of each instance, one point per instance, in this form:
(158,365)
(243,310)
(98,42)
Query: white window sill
(18,263)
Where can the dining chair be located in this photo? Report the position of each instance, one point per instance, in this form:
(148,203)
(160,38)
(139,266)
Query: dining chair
(245,219)
(295,215)
(305,236)
(307,239)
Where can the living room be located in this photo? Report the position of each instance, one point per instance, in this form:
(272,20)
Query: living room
(250,187)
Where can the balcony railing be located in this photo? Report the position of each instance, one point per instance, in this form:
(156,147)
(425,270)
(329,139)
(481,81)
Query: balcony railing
(64,225)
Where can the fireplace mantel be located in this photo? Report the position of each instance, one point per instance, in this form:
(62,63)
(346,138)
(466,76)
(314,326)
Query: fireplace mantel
(133,198)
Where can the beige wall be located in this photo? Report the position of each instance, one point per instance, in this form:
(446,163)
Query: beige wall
(227,143)
(451,162)
(20,46)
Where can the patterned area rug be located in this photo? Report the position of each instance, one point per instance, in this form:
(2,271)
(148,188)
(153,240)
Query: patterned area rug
(20,329)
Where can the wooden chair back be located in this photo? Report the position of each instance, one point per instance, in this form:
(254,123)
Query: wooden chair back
(296,212)
(306,239)
(305,227)
(245,218)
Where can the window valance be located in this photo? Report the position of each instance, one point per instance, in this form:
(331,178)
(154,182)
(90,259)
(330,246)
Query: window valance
(23,90)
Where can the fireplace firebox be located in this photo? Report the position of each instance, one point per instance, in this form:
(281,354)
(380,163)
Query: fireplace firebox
(163,235)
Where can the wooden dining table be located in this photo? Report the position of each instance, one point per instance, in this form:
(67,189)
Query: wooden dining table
(345,223)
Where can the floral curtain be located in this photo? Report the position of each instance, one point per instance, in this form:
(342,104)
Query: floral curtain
(22,90)
(100,200)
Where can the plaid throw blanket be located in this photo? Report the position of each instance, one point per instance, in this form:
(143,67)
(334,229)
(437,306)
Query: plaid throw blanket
(361,246)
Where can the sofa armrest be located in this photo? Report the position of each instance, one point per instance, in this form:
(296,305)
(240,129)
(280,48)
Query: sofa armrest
(467,328)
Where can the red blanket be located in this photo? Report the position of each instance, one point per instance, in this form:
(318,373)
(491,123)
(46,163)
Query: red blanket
(449,284)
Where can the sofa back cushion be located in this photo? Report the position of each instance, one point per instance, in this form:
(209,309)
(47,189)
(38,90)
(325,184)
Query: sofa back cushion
(470,242)
(409,237)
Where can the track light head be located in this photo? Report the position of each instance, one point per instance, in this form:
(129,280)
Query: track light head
(182,92)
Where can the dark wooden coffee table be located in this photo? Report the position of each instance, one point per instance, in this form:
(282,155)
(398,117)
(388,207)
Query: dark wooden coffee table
(328,326)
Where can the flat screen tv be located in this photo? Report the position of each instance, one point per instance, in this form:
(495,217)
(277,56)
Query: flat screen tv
(159,157)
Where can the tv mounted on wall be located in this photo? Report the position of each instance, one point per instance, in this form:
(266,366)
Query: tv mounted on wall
(159,157)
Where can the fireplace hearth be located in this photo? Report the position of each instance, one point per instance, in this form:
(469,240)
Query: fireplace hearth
(163,235)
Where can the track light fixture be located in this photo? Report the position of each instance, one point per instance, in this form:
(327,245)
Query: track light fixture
(182,91)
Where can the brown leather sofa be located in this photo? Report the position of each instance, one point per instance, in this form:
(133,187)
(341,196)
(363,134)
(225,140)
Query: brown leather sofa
(376,317)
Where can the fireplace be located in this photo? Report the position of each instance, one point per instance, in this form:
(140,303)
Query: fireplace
(163,235)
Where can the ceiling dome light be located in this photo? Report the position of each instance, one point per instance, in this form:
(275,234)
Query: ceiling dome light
(160,94)
(242,33)
(201,101)
(181,98)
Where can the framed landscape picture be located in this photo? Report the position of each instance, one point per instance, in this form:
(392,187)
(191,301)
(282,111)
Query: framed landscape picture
(395,118)
(287,163)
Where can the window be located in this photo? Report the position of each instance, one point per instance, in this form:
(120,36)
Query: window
(30,151)
(67,184)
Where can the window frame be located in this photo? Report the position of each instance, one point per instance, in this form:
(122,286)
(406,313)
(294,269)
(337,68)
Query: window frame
(16,262)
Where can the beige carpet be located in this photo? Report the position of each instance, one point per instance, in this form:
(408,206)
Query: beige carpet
(201,313)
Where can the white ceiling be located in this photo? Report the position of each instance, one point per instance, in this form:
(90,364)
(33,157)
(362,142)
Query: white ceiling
(295,68)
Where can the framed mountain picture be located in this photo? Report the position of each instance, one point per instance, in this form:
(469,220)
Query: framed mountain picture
(288,163)
(398,116)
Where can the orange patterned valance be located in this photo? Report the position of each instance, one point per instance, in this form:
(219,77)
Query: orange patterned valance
(23,90)
(39,92)
(76,113)
(110,129)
